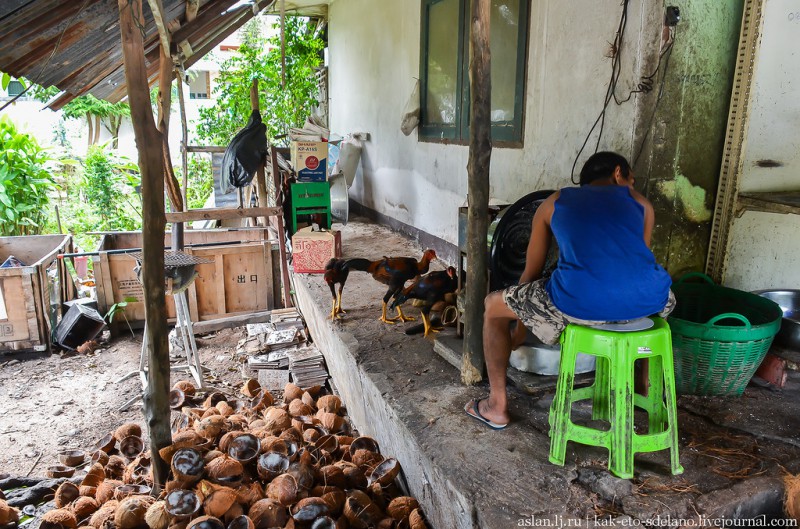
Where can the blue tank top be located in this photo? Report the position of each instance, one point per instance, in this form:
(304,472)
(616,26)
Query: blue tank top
(605,270)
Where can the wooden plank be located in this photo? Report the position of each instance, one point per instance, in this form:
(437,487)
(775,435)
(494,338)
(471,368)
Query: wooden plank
(219,270)
(229,322)
(276,177)
(268,294)
(32,310)
(201,148)
(14,327)
(221,214)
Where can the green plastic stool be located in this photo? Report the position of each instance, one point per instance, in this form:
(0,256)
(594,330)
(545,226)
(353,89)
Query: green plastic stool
(613,398)
(310,198)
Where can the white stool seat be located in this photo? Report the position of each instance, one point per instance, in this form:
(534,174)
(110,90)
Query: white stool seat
(641,324)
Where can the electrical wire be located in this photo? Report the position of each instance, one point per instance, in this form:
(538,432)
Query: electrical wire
(47,63)
(644,86)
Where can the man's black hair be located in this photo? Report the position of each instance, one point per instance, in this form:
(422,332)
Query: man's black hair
(602,165)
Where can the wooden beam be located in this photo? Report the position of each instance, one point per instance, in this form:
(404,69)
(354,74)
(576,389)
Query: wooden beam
(229,322)
(148,141)
(261,181)
(192,6)
(184,137)
(204,22)
(276,178)
(480,153)
(204,148)
(161,24)
(222,214)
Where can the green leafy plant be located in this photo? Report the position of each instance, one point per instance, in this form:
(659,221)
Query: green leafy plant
(119,308)
(24,182)
(283,105)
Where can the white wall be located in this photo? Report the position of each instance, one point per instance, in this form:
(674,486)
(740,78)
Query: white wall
(374,57)
(764,251)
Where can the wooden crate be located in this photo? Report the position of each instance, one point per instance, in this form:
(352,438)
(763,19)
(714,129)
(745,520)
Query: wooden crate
(26,315)
(238,281)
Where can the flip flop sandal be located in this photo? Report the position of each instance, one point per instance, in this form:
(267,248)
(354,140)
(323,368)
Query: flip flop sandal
(473,411)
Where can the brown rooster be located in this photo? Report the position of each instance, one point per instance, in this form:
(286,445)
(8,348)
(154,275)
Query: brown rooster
(394,272)
(430,289)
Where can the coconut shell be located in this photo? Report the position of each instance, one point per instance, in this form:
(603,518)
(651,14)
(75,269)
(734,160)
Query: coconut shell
(84,507)
(292,434)
(234,512)
(299,408)
(276,420)
(377,495)
(95,475)
(206,522)
(86,490)
(241,522)
(224,470)
(416,520)
(211,456)
(387,523)
(115,468)
(66,493)
(330,421)
(157,516)
(225,409)
(400,508)
(251,387)
(249,494)
(104,516)
(219,501)
(386,472)
(225,441)
(138,471)
(311,435)
(59,519)
(105,491)
(210,412)
(261,400)
(187,436)
(98,456)
(291,392)
(127,430)
(329,403)
(274,444)
(333,476)
(186,386)
(366,460)
(308,400)
(353,475)
(284,489)
(268,513)
(131,511)
(182,503)
(360,511)
(335,500)
(210,427)
(307,510)
(791,502)
(8,514)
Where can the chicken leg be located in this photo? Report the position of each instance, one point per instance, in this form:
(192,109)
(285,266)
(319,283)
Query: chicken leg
(426,322)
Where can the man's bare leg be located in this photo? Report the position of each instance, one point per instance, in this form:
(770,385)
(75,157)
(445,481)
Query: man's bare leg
(496,351)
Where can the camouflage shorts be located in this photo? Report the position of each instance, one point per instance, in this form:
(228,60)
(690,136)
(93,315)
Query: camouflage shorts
(532,305)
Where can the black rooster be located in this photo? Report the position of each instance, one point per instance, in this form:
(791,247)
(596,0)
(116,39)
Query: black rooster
(430,288)
(336,272)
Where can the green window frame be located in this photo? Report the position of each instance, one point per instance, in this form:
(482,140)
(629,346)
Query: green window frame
(444,78)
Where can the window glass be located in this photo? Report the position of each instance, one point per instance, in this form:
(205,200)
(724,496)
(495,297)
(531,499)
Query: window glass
(504,45)
(442,62)
(15,88)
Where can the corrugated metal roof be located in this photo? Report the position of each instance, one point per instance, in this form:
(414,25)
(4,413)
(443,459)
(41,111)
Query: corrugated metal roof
(75,45)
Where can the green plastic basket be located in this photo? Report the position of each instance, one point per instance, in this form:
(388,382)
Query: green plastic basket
(719,336)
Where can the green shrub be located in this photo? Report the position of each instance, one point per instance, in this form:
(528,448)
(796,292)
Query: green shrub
(24,182)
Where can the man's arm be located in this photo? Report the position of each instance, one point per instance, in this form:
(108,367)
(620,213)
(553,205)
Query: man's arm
(649,215)
(539,242)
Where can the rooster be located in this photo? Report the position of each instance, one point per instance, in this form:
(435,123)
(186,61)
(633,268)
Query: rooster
(430,289)
(336,272)
(394,272)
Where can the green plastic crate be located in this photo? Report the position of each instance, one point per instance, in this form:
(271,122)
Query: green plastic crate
(719,336)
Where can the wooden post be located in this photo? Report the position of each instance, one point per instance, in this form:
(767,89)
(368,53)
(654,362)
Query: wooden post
(276,177)
(480,152)
(148,141)
(184,139)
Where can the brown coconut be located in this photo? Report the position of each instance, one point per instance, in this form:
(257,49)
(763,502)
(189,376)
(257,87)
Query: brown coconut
(115,468)
(241,522)
(291,392)
(66,493)
(59,519)
(329,403)
(249,494)
(284,489)
(330,421)
(186,386)
(416,520)
(127,430)
(210,412)
(95,476)
(225,409)
(261,400)
(211,456)
(225,470)
(335,500)
(353,475)
(98,456)
(251,387)
(268,513)
(791,502)
(218,502)
(210,427)
(84,507)
(271,443)
(298,408)
(8,514)
(206,522)
(332,475)
(157,516)
(234,512)
(376,493)
(86,490)
(366,460)
(131,511)
(400,508)
(292,434)
(311,435)
(360,511)
(276,420)
(105,491)
(386,472)
(307,510)
(308,400)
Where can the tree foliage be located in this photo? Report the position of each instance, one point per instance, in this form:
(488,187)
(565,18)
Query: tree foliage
(24,182)
(282,107)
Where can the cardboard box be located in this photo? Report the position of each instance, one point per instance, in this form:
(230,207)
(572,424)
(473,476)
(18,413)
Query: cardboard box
(311,250)
(310,160)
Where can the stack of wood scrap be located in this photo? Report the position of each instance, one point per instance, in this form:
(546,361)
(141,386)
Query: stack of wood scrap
(307,366)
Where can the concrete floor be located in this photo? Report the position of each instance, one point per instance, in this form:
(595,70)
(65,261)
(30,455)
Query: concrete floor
(398,390)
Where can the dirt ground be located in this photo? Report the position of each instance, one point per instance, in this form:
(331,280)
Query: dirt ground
(63,400)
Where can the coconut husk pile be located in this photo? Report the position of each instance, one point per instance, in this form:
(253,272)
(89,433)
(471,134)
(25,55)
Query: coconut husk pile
(246,463)
(792,499)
